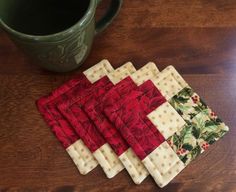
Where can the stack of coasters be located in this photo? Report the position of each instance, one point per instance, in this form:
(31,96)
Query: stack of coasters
(94,108)
(145,121)
(73,110)
(92,78)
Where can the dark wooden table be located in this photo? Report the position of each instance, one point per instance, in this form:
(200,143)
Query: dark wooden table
(198,37)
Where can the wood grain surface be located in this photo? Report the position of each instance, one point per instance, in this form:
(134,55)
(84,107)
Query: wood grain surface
(198,37)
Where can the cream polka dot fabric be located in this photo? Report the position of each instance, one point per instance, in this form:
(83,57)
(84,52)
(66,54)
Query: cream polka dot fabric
(167,120)
(121,73)
(134,166)
(169,82)
(108,160)
(82,157)
(163,164)
(98,71)
(147,72)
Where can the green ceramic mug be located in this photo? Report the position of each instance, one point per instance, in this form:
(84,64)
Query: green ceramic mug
(58,33)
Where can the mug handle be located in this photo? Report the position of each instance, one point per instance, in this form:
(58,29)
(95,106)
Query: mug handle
(109,15)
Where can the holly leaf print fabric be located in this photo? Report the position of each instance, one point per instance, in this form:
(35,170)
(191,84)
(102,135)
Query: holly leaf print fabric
(202,126)
(203,129)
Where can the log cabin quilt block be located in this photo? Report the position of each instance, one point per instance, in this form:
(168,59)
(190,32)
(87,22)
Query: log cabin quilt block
(130,117)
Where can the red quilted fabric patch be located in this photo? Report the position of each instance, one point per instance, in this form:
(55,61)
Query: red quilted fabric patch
(129,116)
(94,108)
(73,111)
(47,107)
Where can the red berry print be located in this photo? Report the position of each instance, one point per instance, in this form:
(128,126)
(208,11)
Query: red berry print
(213,115)
(195,98)
(205,146)
(170,142)
(181,151)
(178,152)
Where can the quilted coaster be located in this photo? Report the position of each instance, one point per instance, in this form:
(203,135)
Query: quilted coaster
(75,147)
(84,127)
(203,127)
(94,108)
(176,122)
(130,117)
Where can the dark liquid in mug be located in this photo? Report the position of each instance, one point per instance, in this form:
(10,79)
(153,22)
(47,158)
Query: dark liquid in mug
(44,17)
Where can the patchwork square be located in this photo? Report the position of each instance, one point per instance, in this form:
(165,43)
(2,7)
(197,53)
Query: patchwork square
(163,164)
(187,103)
(169,82)
(134,166)
(96,72)
(121,73)
(196,137)
(163,157)
(145,73)
(166,119)
(210,128)
(142,135)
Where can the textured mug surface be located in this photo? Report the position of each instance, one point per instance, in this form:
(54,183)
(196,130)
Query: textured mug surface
(64,50)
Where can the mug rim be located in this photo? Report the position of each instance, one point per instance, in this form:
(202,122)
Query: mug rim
(80,23)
